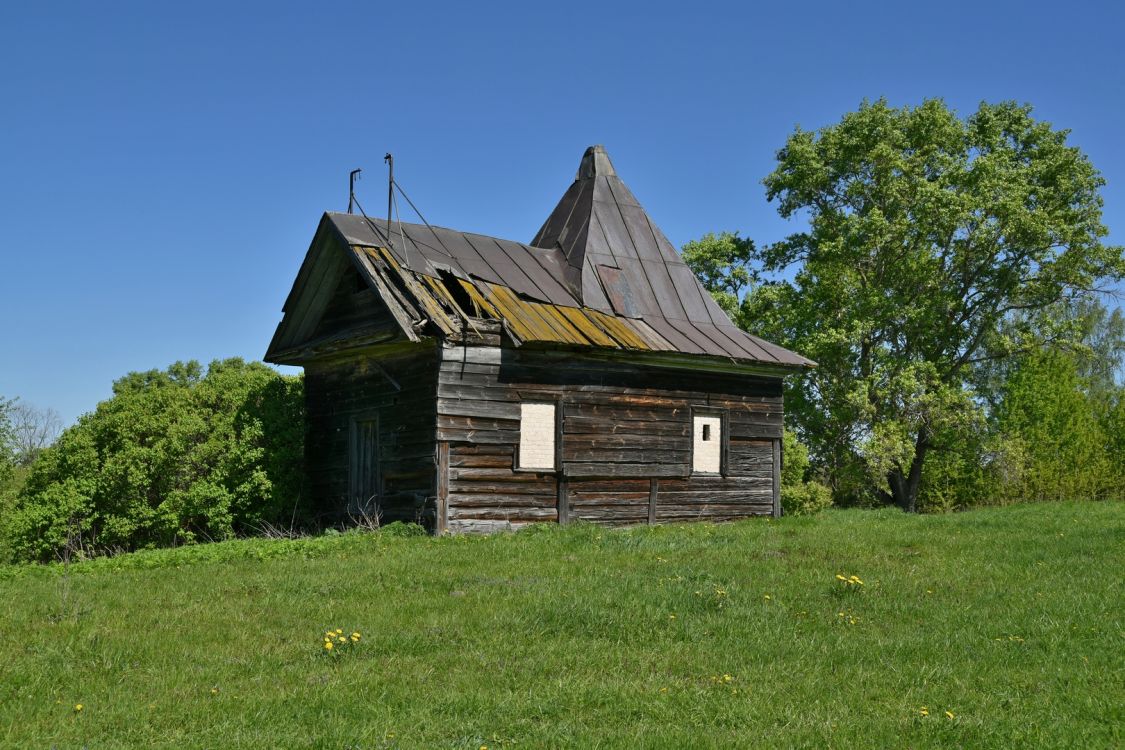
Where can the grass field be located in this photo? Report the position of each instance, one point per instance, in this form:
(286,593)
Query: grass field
(680,636)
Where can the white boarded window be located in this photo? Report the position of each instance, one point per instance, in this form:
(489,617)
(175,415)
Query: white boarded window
(706,455)
(537,436)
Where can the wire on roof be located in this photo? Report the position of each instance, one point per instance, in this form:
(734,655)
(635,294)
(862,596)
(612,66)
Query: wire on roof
(385,236)
(423,218)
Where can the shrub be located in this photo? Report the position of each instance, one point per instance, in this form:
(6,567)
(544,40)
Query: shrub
(800,497)
(805,498)
(403,529)
(175,456)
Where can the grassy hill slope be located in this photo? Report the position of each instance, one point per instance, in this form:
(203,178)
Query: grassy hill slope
(677,636)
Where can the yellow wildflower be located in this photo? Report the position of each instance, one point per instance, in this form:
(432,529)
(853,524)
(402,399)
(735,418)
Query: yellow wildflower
(342,639)
(949,714)
(840,577)
(328,645)
(768,597)
(214,691)
(339,631)
(78,707)
(355,635)
(924,711)
(727,678)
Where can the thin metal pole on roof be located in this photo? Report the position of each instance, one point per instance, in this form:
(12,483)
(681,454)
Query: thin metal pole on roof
(390,160)
(352,177)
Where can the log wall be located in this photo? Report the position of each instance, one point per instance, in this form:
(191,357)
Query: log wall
(396,389)
(624,441)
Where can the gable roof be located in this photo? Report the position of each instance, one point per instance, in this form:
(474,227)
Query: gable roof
(598,274)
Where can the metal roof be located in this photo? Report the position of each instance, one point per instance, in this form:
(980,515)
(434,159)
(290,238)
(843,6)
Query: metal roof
(599,273)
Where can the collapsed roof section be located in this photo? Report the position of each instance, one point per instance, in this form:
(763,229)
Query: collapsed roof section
(599,274)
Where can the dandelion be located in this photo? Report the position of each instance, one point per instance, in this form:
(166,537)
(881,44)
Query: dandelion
(328,645)
(727,678)
(342,639)
(214,691)
(664,690)
(78,707)
(672,616)
(840,578)
(924,711)
(949,714)
(339,631)
(768,597)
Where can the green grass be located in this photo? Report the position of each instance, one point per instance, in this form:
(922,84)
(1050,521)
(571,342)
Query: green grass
(1009,618)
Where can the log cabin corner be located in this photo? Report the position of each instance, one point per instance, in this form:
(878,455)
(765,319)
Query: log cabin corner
(475,384)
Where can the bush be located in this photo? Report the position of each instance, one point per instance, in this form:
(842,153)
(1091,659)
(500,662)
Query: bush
(805,498)
(402,529)
(800,497)
(174,457)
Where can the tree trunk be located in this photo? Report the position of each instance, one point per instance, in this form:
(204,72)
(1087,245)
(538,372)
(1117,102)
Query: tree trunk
(904,488)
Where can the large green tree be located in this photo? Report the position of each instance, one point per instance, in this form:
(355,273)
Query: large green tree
(926,232)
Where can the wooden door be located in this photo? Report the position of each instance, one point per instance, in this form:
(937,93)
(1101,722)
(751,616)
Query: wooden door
(363,471)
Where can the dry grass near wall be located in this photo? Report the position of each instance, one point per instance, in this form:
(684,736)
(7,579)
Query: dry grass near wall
(994,628)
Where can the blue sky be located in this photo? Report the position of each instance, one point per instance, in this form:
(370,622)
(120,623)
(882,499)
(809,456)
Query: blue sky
(163,167)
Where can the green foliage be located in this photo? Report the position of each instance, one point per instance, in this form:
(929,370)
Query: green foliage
(174,457)
(805,499)
(1057,443)
(583,636)
(926,233)
(795,459)
(799,495)
(402,529)
(7,441)
(1114,426)
(721,261)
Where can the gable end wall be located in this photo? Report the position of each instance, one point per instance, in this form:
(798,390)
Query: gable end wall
(360,388)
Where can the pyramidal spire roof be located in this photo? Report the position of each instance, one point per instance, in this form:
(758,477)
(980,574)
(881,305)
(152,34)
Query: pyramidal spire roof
(619,259)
